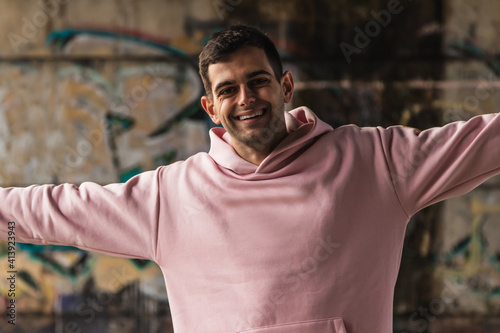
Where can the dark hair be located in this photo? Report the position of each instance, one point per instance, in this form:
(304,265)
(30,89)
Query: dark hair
(231,39)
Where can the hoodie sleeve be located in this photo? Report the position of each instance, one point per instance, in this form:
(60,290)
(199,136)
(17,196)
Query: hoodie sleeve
(439,163)
(117,219)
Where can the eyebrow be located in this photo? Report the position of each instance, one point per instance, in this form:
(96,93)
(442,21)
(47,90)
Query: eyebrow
(249,76)
(259,72)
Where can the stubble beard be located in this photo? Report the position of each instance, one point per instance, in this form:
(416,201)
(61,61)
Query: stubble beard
(268,137)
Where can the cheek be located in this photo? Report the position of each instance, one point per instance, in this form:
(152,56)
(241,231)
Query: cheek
(225,108)
(272,94)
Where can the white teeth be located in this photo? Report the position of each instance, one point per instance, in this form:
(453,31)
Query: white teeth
(259,113)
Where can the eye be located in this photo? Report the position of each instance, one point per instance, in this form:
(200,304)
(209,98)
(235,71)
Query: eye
(260,81)
(226,91)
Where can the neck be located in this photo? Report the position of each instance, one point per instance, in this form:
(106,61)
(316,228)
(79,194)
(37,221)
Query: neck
(256,155)
(251,155)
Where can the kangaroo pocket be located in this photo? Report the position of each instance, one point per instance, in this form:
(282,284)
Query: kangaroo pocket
(331,325)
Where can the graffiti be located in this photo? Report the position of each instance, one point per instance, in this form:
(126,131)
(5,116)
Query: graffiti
(467,48)
(471,255)
(153,99)
(70,41)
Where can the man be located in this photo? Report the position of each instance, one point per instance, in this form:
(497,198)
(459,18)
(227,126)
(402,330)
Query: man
(248,92)
(286,225)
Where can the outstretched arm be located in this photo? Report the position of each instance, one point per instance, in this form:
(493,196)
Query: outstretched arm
(116,219)
(439,163)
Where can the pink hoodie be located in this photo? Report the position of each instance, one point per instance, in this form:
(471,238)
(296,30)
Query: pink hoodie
(309,241)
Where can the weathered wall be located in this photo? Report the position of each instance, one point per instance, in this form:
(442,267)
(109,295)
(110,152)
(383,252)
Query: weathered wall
(94,90)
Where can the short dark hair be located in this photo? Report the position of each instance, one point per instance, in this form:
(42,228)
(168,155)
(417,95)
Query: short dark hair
(231,39)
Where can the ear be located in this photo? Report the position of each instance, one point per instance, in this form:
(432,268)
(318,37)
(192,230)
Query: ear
(208,106)
(287,86)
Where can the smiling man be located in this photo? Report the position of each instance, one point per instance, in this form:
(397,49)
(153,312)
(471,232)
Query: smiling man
(245,92)
(287,225)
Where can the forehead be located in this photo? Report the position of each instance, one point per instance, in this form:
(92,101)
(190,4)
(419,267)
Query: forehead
(246,60)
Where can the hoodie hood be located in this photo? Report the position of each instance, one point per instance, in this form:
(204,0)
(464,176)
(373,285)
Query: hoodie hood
(303,128)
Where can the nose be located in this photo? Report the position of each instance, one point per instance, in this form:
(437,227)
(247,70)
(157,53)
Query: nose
(246,96)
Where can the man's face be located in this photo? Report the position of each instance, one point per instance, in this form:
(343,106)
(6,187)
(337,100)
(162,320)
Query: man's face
(248,99)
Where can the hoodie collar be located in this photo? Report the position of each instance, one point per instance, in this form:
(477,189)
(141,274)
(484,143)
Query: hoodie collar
(303,127)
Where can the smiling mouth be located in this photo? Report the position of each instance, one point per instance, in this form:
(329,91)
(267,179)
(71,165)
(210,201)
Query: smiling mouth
(250,116)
